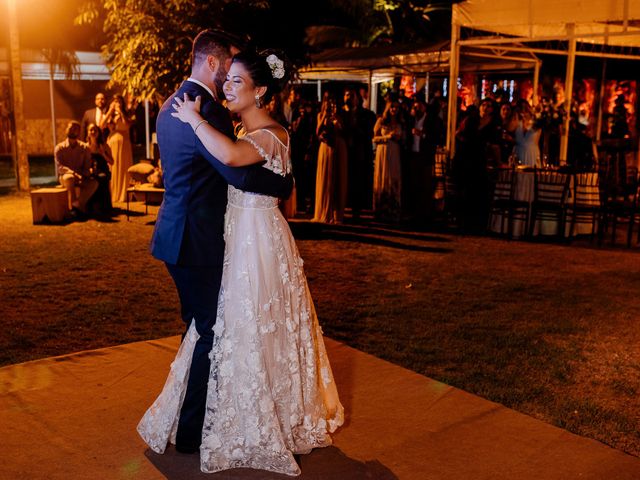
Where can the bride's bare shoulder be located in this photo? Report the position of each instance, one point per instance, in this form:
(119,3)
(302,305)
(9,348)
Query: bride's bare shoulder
(279,132)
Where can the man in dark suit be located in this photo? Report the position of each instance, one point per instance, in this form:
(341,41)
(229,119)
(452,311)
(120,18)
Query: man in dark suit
(95,116)
(188,234)
(357,129)
(427,132)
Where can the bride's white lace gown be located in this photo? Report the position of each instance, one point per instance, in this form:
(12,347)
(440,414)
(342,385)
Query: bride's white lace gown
(271,390)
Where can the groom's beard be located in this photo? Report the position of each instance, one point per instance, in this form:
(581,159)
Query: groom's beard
(218,82)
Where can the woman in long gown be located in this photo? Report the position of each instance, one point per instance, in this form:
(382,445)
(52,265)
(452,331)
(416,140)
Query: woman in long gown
(102,161)
(331,174)
(271,392)
(388,134)
(527,138)
(119,142)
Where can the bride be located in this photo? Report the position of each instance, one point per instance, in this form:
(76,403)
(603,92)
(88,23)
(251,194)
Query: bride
(271,392)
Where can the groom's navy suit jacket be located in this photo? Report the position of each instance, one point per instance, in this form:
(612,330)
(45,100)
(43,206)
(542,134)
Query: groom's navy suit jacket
(190,223)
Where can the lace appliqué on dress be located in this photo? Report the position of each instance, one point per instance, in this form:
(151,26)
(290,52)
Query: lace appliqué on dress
(271,392)
(279,161)
(159,424)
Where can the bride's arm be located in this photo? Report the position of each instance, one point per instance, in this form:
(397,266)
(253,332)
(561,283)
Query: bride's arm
(233,154)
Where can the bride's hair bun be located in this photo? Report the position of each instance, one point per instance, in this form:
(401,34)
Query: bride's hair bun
(267,68)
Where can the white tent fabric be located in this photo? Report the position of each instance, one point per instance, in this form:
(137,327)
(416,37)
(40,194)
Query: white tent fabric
(611,22)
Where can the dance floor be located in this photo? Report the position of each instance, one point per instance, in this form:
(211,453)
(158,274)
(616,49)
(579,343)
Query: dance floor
(74,417)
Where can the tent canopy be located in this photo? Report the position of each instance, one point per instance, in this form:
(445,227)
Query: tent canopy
(606,22)
(380,64)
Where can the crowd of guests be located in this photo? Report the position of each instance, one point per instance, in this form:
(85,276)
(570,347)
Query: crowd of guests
(93,160)
(344,156)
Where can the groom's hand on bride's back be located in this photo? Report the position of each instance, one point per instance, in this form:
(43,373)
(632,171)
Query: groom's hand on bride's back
(287,187)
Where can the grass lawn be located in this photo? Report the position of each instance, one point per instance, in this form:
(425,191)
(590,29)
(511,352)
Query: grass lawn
(549,330)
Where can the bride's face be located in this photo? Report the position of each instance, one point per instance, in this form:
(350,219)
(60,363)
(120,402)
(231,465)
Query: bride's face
(239,89)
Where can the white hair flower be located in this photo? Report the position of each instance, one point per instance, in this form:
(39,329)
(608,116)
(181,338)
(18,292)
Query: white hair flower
(276,65)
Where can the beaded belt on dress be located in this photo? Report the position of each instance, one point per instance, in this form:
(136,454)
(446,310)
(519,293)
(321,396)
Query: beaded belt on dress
(251,201)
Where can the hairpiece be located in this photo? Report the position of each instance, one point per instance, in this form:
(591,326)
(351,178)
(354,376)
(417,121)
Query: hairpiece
(276,65)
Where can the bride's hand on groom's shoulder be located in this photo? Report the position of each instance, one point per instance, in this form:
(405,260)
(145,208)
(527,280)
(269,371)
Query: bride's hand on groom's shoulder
(187,110)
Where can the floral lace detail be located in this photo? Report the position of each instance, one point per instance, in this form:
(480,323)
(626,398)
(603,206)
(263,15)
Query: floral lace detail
(279,160)
(159,424)
(272,393)
(274,162)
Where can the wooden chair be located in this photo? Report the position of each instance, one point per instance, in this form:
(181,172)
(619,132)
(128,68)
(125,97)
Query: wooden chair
(451,198)
(550,195)
(585,206)
(505,204)
(620,203)
(439,168)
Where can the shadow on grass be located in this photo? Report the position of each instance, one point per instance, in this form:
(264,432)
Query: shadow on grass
(367,235)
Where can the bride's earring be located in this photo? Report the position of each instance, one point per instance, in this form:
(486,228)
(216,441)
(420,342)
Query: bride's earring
(258,101)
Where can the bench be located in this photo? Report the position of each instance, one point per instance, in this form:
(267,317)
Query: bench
(145,190)
(50,204)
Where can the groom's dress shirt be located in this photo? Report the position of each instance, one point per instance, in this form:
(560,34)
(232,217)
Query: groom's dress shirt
(198,82)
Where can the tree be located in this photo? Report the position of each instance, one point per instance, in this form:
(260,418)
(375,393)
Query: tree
(149,42)
(21,162)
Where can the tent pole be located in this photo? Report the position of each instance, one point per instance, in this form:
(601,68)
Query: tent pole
(147,139)
(426,87)
(21,160)
(536,82)
(53,110)
(453,84)
(603,79)
(373,94)
(568,93)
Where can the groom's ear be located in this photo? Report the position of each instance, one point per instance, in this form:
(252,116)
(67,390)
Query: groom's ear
(213,62)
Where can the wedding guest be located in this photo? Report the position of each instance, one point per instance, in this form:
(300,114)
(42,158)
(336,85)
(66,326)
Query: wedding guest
(508,122)
(274,108)
(476,138)
(357,130)
(290,106)
(101,161)
(427,133)
(304,154)
(119,122)
(95,115)
(330,180)
(388,135)
(527,137)
(73,166)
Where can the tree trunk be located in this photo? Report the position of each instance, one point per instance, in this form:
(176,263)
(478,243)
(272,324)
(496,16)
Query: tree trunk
(21,162)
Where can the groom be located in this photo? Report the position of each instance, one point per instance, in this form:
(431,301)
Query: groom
(188,234)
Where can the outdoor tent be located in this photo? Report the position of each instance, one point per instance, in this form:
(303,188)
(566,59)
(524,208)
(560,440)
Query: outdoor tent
(374,65)
(602,28)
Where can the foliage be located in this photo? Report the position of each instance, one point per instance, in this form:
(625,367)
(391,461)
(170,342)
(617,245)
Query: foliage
(148,42)
(64,60)
(374,22)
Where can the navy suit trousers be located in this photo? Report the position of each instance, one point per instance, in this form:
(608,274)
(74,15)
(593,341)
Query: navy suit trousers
(198,289)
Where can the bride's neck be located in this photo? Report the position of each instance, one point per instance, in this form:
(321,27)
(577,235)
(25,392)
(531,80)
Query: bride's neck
(255,119)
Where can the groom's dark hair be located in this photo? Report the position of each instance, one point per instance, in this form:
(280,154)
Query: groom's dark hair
(215,42)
